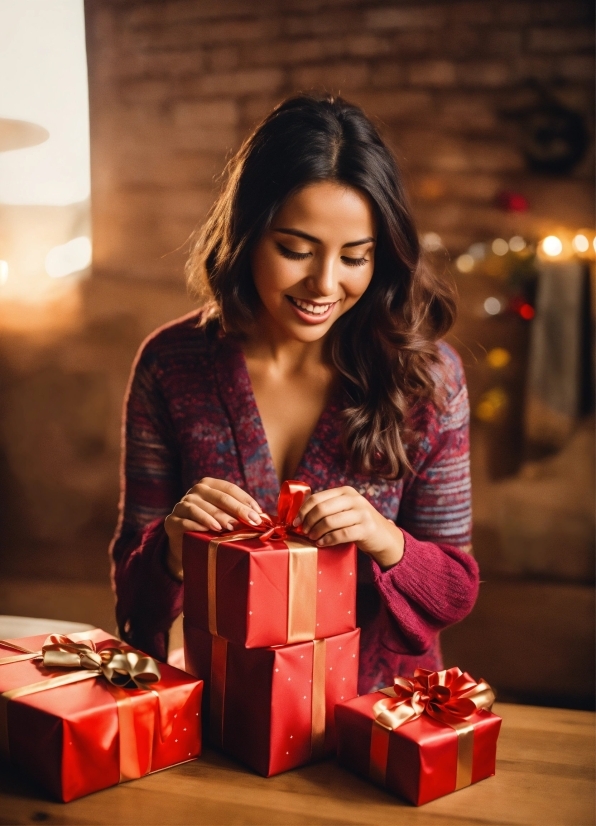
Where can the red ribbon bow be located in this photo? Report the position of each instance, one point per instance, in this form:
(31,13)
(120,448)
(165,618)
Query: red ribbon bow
(291,497)
(450,696)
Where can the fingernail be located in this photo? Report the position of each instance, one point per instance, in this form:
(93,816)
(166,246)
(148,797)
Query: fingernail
(230,526)
(254,518)
(297,522)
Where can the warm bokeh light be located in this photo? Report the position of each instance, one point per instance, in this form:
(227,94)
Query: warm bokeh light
(517,243)
(465,263)
(431,241)
(492,305)
(68,258)
(500,246)
(478,251)
(580,243)
(491,404)
(527,312)
(498,357)
(3,272)
(552,246)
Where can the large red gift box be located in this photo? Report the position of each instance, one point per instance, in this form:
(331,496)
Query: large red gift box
(272,708)
(86,733)
(422,758)
(276,592)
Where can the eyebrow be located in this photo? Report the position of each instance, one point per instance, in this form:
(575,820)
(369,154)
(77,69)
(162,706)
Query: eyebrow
(299,234)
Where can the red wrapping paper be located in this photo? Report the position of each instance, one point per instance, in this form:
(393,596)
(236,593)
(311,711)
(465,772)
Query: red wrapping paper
(252,589)
(267,702)
(422,754)
(67,738)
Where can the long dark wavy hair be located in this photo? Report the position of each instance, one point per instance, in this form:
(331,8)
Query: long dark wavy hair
(384,347)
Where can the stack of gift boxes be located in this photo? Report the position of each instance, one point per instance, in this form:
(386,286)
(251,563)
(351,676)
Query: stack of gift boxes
(270,626)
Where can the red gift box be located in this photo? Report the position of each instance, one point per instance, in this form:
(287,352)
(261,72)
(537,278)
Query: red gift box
(269,585)
(93,727)
(272,708)
(423,738)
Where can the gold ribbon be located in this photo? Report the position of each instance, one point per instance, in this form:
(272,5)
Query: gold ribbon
(123,668)
(219,655)
(450,696)
(302,564)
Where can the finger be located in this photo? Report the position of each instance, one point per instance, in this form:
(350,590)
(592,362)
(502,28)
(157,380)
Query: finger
(314,500)
(229,504)
(224,519)
(234,491)
(342,536)
(336,521)
(184,525)
(336,504)
(191,512)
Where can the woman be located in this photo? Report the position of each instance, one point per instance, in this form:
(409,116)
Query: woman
(317,356)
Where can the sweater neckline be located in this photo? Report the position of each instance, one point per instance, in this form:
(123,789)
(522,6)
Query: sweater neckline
(236,392)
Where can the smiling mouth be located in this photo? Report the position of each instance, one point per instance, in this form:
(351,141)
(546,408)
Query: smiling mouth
(310,307)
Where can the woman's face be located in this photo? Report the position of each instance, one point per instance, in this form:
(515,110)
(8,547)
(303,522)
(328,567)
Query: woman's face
(315,261)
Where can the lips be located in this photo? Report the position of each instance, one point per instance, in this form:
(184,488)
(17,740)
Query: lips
(311,312)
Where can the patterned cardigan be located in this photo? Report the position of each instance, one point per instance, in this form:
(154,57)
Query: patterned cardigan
(190,412)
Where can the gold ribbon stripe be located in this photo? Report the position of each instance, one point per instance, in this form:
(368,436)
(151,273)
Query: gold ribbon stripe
(302,586)
(317,736)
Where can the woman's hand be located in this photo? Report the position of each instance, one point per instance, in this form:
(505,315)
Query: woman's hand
(210,505)
(331,517)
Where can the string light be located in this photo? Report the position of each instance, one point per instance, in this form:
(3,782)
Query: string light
(491,404)
(477,251)
(465,263)
(580,243)
(500,246)
(552,246)
(492,305)
(431,241)
(498,357)
(517,243)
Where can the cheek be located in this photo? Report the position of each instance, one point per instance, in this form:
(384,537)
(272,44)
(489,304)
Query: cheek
(271,274)
(356,286)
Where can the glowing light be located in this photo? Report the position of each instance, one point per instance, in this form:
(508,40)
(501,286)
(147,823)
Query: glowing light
(500,246)
(527,312)
(492,306)
(431,241)
(491,404)
(517,243)
(42,49)
(552,246)
(65,259)
(580,243)
(465,263)
(594,243)
(498,357)
(477,251)
(3,272)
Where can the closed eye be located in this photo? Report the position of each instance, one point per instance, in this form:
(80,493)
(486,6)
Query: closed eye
(354,262)
(293,256)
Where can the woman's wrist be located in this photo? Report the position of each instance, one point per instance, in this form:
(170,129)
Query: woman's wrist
(393,553)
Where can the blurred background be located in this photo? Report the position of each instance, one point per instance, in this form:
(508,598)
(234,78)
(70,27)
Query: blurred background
(116,119)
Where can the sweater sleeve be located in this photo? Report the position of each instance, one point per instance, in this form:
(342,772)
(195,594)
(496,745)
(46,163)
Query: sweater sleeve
(435,584)
(148,598)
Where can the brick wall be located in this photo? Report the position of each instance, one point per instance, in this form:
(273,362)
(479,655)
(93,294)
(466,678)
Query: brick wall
(176,84)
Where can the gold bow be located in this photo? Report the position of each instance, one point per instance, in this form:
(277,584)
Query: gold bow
(450,697)
(122,666)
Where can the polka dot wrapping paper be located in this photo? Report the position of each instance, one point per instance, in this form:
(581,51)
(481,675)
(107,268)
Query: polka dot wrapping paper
(259,594)
(273,708)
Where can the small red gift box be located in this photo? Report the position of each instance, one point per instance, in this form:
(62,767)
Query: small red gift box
(272,708)
(88,712)
(423,738)
(269,588)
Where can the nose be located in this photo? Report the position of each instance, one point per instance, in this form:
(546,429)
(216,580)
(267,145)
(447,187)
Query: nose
(323,278)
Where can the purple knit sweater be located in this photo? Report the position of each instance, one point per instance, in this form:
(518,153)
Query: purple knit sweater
(191,412)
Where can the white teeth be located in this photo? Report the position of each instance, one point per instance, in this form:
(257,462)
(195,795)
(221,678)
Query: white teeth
(315,309)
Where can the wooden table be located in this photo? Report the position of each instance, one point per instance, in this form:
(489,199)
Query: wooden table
(545,775)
